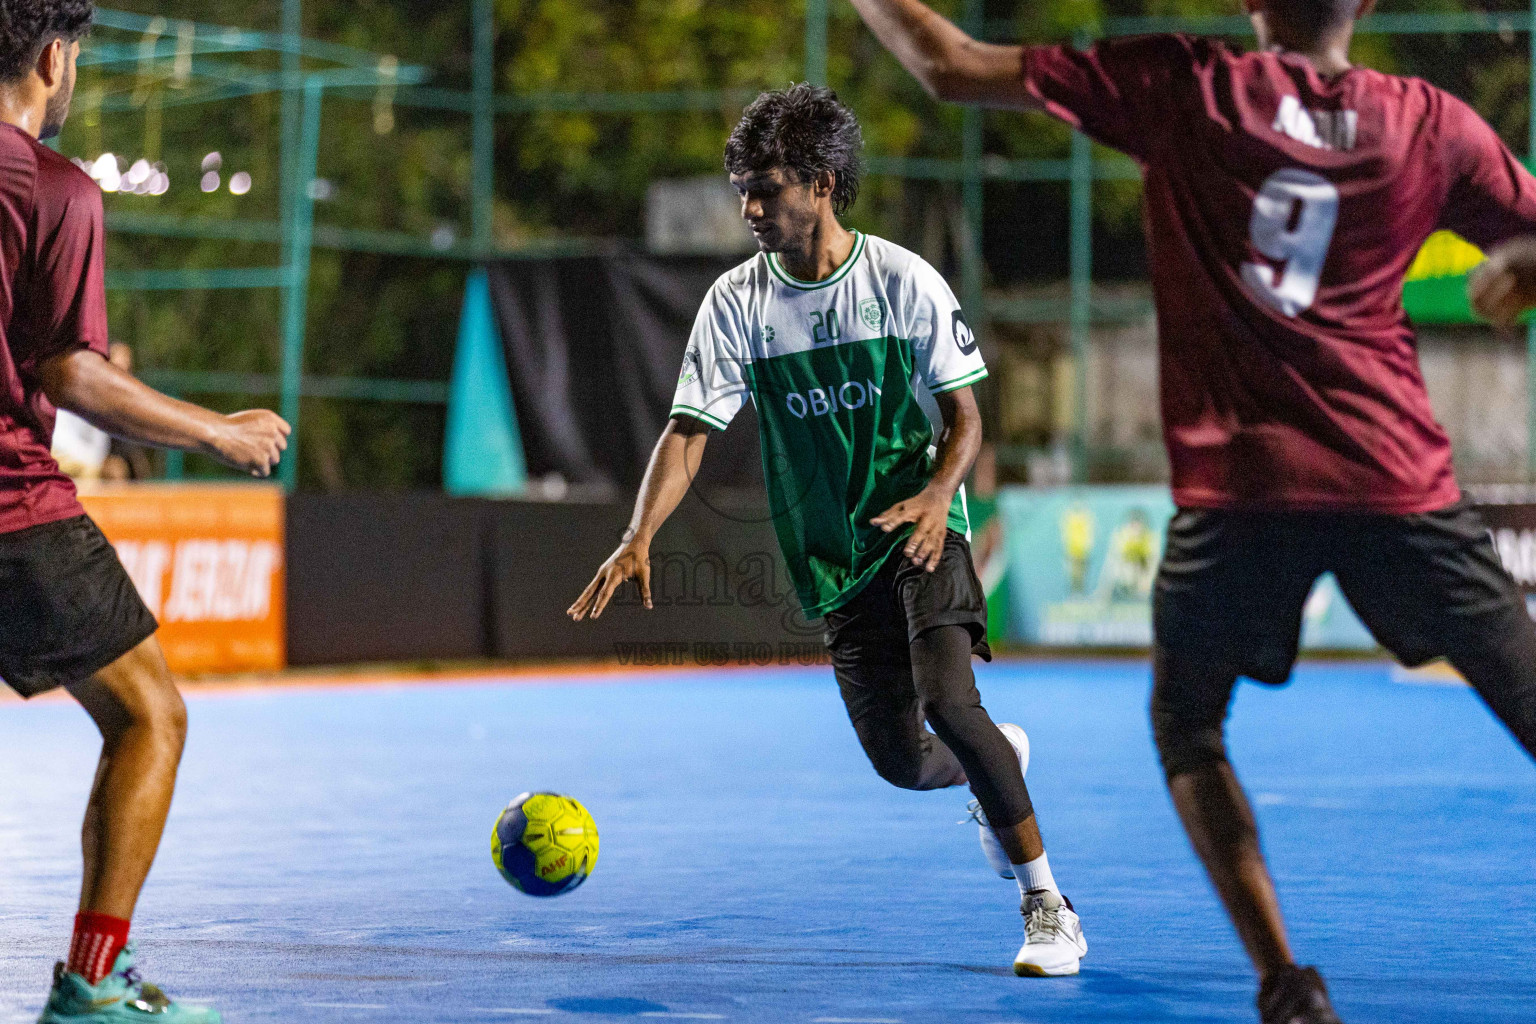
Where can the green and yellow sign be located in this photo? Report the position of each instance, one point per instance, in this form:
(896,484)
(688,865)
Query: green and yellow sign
(1435,291)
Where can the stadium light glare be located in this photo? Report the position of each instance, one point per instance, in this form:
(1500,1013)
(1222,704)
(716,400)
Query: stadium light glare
(210,182)
(213,161)
(105,173)
(239,183)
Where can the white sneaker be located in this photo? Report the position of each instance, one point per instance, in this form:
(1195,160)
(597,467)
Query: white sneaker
(989,844)
(1053,937)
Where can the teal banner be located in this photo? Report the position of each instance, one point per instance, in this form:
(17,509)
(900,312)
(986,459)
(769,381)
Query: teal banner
(483,454)
(1082,561)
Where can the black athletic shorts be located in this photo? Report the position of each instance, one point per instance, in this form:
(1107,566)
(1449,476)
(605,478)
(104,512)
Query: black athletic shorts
(1233,584)
(67,606)
(904,599)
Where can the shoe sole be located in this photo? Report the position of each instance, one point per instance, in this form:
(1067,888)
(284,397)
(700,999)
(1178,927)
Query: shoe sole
(1036,971)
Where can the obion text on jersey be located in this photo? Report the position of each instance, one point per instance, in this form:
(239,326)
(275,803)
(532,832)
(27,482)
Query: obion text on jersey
(824,401)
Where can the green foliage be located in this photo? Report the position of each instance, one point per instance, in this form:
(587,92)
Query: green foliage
(562,173)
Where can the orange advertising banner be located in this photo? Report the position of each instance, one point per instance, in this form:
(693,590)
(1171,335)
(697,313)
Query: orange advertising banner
(208,561)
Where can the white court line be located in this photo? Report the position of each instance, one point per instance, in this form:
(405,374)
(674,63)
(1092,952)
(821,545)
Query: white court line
(683,1016)
(855,1020)
(511,1009)
(349,1006)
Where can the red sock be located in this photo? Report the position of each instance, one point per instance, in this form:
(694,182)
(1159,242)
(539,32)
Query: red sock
(98,939)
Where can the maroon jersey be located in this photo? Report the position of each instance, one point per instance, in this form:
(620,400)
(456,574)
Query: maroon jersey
(1283,209)
(52,299)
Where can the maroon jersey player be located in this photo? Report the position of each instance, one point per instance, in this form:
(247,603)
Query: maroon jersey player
(69,615)
(1286,194)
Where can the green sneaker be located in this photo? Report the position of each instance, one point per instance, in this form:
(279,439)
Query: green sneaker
(119,998)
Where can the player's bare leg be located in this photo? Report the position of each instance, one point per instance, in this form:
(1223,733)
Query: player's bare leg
(1189,710)
(1225,835)
(1021,842)
(1222,828)
(143,724)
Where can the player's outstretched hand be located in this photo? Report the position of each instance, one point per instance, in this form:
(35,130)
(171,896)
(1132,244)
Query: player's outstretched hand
(632,561)
(1504,285)
(928,509)
(252,441)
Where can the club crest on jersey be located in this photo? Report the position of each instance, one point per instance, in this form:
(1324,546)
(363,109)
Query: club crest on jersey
(1320,129)
(690,368)
(872,312)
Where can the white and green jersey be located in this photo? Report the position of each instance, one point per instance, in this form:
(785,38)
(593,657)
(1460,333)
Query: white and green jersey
(843,374)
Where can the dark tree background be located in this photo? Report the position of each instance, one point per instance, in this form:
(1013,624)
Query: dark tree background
(564,175)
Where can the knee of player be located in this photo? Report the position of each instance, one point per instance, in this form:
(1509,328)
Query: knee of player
(950,717)
(1185,743)
(901,772)
(162,710)
(174,717)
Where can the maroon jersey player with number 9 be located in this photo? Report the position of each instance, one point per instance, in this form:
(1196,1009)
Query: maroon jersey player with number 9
(1287,192)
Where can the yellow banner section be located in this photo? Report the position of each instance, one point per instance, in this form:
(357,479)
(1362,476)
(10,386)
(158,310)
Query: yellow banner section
(1445,254)
(208,561)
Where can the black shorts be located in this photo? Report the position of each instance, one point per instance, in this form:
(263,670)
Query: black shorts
(903,599)
(1233,584)
(67,606)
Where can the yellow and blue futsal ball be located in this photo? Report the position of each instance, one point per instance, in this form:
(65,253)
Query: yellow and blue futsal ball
(544,844)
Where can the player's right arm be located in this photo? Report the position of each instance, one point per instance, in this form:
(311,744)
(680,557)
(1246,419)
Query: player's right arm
(672,467)
(947,62)
(1114,92)
(710,391)
(84,382)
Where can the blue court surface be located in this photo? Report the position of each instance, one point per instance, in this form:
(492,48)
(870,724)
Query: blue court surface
(328,858)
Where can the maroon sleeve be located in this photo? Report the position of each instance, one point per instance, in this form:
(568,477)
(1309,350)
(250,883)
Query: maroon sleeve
(66,295)
(1109,90)
(1492,196)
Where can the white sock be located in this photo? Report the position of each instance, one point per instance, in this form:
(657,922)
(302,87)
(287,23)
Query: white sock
(1035,875)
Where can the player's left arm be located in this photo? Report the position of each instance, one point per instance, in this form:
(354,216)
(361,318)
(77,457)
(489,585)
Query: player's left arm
(948,63)
(111,399)
(1492,204)
(929,508)
(1503,286)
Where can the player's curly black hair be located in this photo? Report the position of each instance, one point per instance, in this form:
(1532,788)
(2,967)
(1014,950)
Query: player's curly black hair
(805,129)
(1311,19)
(26,26)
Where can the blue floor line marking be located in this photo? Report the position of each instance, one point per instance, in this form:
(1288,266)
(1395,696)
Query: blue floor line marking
(331,847)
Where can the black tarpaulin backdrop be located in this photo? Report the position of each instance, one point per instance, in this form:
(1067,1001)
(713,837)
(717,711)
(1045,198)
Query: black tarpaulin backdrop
(594,345)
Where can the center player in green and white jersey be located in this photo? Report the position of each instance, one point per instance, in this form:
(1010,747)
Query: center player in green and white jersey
(859,362)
